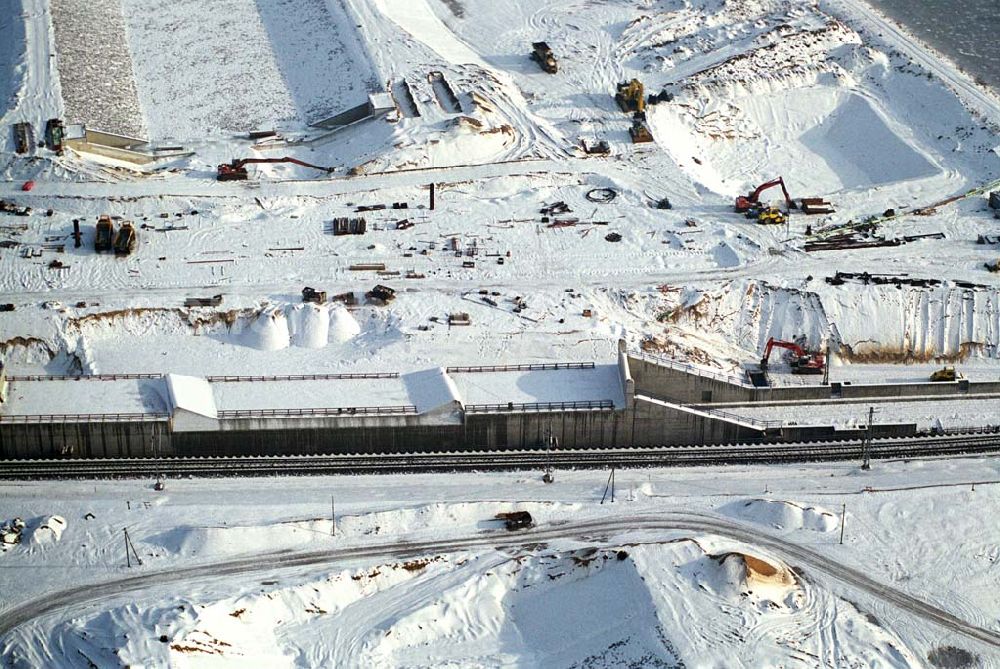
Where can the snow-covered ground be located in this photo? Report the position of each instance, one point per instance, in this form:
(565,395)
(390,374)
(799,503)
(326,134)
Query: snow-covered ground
(690,567)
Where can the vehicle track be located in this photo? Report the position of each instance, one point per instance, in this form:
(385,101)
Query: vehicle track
(74,601)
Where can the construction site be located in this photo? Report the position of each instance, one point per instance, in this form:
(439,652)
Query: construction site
(387,333)
(799,204)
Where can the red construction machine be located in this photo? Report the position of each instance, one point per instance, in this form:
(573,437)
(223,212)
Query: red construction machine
(752,200)
(237,171)
(802,362)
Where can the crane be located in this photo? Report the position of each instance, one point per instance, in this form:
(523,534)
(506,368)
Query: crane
(748,202)
(803,362)
(237,171)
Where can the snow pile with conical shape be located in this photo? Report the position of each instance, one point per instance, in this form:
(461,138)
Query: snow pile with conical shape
(310,325)
(343,325)
(269,332)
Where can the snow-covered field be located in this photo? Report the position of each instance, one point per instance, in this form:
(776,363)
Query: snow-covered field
(693,567)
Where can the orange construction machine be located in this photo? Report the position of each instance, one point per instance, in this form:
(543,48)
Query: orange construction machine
(803,362)
(237,171)
(752,200)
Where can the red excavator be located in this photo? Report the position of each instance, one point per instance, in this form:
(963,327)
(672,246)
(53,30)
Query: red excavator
(803,362)
(752,199)
(237,171)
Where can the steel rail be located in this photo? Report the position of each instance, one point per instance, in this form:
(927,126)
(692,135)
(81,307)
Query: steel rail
(495,460)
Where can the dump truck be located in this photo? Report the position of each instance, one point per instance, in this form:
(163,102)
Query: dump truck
(104,239)
(630,96)
(55,131)
(23,137)
(543,55)
(126,239)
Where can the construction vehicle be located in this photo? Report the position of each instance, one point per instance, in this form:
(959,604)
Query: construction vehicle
(543,55)
(126,239)
(600,147)
(746,203)
(23,137)
(802,362)
(639,132)
(768,216)
(237,171)
(55,131)
(630,96)
(946,375)
(104,239)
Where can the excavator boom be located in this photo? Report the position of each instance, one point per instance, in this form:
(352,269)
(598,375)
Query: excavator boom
(237,171)
(803,362)
(746,203)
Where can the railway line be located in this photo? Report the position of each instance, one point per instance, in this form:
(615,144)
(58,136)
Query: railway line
(512,460)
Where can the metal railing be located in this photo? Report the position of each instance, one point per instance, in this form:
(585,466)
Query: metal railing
(83,377)
(515,407)
(521,368)
(325,411)
(86,418)
(304,377)
(718,413)
(690,369)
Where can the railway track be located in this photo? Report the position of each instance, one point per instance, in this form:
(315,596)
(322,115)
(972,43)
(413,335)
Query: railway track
(514,460)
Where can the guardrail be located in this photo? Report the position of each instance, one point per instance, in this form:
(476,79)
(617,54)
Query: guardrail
(325,411)
(690,369)
(304,377)
(515,407)
(521,368)
(718,413)
(84,377)
(86,418)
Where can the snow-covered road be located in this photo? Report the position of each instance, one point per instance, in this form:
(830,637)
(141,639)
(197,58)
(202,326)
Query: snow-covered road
(68,601)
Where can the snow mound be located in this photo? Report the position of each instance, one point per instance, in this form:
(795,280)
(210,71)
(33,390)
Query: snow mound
(240,539)
(269,331)
(343,326)
(309,325)
(783,515)
(49,531)
(725,255)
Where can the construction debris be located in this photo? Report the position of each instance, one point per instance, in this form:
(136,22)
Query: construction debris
(815,205)
(381,294)
(460,318)
(600,148)
(516,520)
(313,296)
(367,267)
(555,208)
(613,237)
(865,278)
(11,208)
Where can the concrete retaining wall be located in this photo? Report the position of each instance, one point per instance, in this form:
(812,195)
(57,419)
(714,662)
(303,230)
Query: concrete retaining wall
(84,440)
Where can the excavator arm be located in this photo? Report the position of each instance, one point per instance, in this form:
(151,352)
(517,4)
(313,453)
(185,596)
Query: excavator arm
(237,171)
(745,203)
(804,362)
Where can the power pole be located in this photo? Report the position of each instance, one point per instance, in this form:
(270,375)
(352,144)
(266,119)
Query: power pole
(128,561)
(843,517)
(609,486)
(548,477)
(867,442)
(333,518)
(826,366)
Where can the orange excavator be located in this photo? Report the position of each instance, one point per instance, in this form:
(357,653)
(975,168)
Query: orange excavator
(237,171)
(751,200)
(803,362)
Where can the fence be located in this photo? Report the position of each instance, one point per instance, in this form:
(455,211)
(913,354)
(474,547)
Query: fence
(304,377)
(86,418)
(512,407)
(326,411)
(521,368)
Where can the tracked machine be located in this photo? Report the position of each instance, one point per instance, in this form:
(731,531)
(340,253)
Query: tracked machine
(750,203)
(237,170)
(543,55)
(802,361)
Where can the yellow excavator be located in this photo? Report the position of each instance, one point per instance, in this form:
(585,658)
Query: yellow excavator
(946,374)
(631,97)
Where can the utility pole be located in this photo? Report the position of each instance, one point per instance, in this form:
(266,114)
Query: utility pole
(128,545)
(826,365)
(843,517)
(866,443)
(548,477)
(128,561)
(333,518)
(609,486)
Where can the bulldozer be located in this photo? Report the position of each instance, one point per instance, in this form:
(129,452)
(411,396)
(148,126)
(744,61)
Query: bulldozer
(104,239)
(630,96)
(639,132)
(237,171)
(768,216)
(946,375)
(543,55)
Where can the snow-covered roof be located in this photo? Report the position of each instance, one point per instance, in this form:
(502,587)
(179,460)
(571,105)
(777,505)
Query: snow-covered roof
(191,393)
(556,385)
(431,388)
(310,394)
(85,396)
